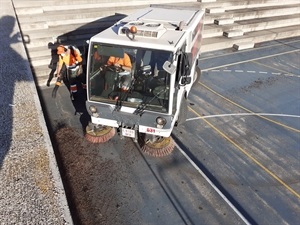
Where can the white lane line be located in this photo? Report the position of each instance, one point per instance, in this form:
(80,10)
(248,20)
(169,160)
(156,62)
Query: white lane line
(252,71)
(213,186)
(251,50)
(251,60)
(291,75)
(245,114)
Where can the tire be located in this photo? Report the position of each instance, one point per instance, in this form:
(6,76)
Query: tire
(197,76)
(183,112)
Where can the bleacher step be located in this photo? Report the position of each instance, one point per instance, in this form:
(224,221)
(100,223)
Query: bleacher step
(218,43)
(254,13)
(253,25)
(215,10)
(243,45)
(246,22)
(233,33)
(224,21)
(25,9)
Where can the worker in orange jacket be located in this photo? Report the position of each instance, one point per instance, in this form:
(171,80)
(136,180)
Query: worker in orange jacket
(118,62)
(124,62)
(69,67)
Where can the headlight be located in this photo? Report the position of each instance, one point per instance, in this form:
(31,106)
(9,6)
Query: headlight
(93,109)
(160,122)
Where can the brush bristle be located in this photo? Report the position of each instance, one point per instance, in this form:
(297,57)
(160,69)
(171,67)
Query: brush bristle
(100,136)
(160,149)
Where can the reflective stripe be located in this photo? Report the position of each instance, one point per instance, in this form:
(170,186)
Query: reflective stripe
(73,88)
(73,67)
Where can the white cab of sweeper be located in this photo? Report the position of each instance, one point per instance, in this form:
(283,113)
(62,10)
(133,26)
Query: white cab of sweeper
(139,74)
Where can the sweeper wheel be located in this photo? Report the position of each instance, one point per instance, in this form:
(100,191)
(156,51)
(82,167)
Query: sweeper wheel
(100,134)
(162,147)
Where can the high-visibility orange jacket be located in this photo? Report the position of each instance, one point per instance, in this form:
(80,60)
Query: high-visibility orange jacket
(71,58)
(121,61)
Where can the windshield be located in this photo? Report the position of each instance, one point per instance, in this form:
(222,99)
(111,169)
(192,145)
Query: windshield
(131,77)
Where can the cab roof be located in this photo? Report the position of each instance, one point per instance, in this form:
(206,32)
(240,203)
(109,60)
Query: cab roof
(157,28)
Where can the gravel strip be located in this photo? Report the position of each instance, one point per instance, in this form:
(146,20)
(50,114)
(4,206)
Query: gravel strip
(31,188)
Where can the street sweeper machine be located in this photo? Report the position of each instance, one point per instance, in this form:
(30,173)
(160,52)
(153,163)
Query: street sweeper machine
(139,74)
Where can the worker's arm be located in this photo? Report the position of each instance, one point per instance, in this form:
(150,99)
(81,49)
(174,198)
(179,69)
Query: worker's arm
(78,57)
(59,66)
(110,61)
(126,63)
(127,68)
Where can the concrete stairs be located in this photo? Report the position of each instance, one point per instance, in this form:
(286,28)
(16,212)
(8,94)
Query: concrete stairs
(235,24)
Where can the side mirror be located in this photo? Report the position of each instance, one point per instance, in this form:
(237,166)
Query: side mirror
(187,63)
(185,80)
(169,67)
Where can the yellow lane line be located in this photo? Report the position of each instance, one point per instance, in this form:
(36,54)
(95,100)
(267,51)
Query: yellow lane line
(247,110)
(248,155)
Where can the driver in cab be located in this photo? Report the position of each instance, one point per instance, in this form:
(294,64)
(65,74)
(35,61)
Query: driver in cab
(120,64)
(124,63)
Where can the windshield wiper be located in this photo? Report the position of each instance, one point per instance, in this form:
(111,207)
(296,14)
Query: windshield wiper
(141,107)
(119,102)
